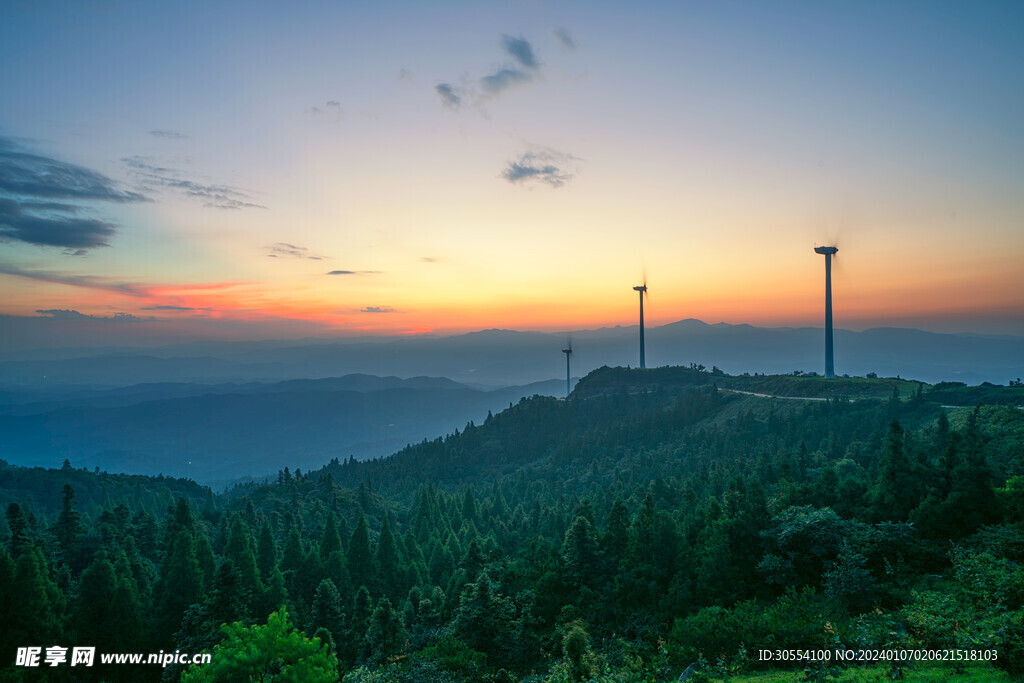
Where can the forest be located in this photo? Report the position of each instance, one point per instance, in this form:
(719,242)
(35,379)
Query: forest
(654,523)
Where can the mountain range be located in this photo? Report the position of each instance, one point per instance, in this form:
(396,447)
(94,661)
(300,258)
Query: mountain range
(501,358)
(220,433)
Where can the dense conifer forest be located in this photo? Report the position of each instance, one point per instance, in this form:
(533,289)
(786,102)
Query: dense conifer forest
(652,521)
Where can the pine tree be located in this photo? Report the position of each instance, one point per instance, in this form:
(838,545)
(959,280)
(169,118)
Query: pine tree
(239,551)
(388,563)
(385,635)
(580,553)
(266,551)
(362,607)
(95,614)
(326,611)
(897,490)
(361,568)
(331,540)
(38,605)
(68,527)
(616,538)
(18,527)
(275,595)
(179,586)
(204,556)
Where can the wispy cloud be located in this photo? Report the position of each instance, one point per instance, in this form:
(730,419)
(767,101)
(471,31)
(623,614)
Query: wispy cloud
(503,79)
(168,135)
(376,309)
(331,109)
(87,281)
(41,197)
(213,195)
(354,272)
(173,308)
(429,259)
(544,165)
(449,95)
(73,315)
(521,51)
(163,297)
(285,250)
(521,67)
(524,70)
(25,174)
(564,38)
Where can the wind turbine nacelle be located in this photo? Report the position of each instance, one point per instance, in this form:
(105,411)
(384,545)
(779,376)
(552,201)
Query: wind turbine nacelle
(825,250)
(640,288)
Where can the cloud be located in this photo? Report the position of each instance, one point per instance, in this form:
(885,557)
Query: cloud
(41,197)
(53,230)
(331,108)
(376,309)
(429,259)
(168,135)
(521,51)
(523,67)
(450,97)
(212,195)
(503,79)
(68,314)
(285,250)
(173,308)
(543,166)
(354,272)
(24,174)
(87,281)
(564,38)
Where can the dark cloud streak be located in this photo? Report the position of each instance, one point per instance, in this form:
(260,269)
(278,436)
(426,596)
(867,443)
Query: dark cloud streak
(73,315)
(214,196)
(172,308)
(449,95)
(59,231)
(523,68)
(564,38)
(521,51)
(285,250)
(168,135)
(87,281)
(28,184)
(503,79)
(24,174)
(542,166)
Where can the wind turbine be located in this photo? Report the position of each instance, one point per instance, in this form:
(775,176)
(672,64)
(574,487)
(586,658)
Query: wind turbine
(568,353)
(828,252)
(642,289)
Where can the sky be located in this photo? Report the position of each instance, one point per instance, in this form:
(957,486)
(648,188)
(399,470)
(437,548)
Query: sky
(250,170)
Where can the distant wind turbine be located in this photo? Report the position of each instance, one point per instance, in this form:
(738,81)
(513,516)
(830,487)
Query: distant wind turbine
(568,353)
(643,292)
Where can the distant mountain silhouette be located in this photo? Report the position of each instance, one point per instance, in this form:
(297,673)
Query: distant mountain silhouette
(495,358)
(216,433)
